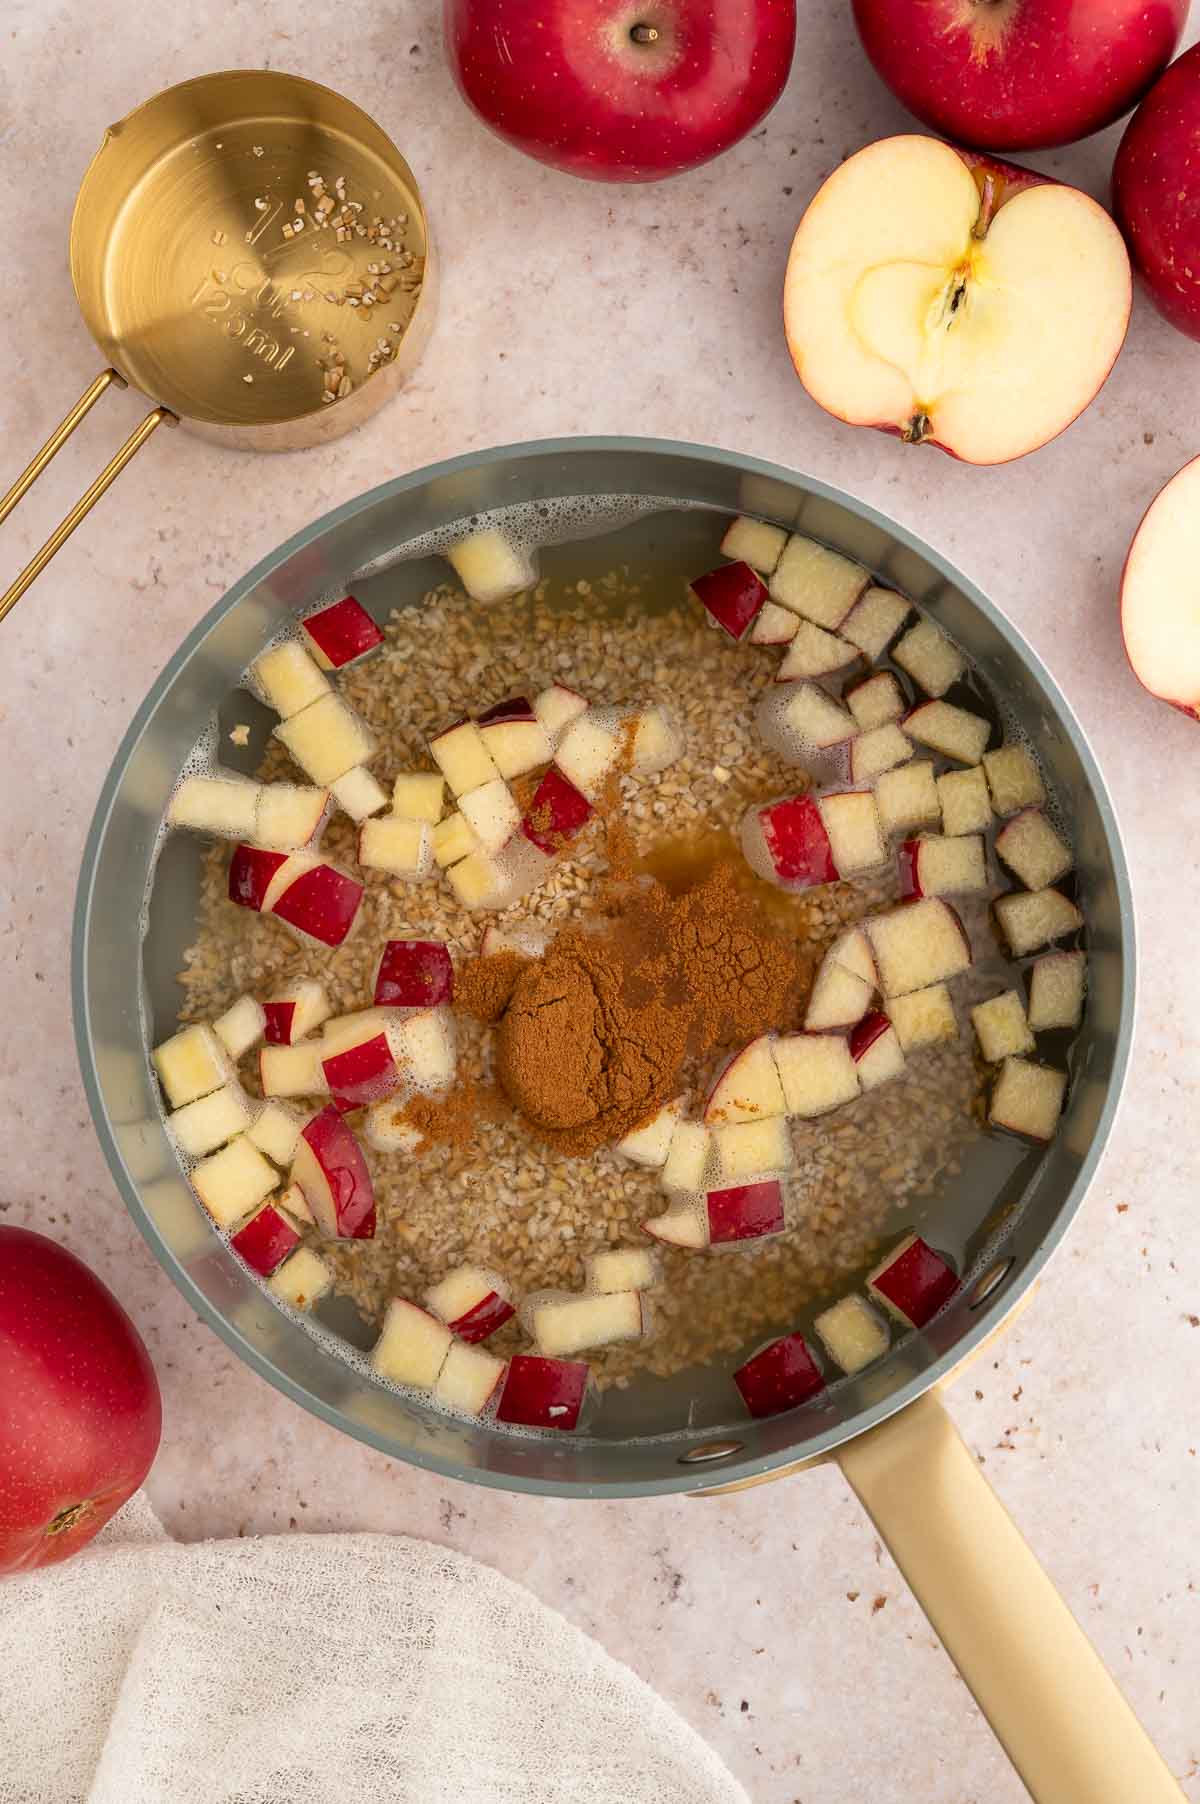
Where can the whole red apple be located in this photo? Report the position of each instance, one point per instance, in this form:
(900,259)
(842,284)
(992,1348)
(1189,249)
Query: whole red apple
(1019,74)
(617,90)
(1156,192)
(80,1413)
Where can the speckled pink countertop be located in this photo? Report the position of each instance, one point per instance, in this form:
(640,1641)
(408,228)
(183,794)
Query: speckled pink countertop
(773,1621)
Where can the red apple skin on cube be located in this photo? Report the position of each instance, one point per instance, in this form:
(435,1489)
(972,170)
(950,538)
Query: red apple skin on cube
(279,1018)
(779,1377)
(1022,76)
(733,595)
(361,1075)
(517,707)
(265,1241)
(414,974)
(556,813)
(1155,179)
(322,903)
(483,1318)
(333,1176)
(80,1412)
(342,633)
(918,1283)
(250,872)
(542,1393)
(868,1030)
(573,86)
(798,843)
(744,1212)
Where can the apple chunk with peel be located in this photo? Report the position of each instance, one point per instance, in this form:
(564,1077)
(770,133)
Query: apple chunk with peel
(1027,1099)
(954,300)
(472,1302)
(295,1011)
(515,737)
(937,866)
(787,843)
(744,1212)
(876,1051)
(543,1393)
(321,904)
(556,814)
(817,1073)
(732,596)
(918,944)
(1160,593)
(747,1088)
(414,974)
(780,1376)
(332,1174)
(913,1282)
(252,871)
(341,634)
(266,1240)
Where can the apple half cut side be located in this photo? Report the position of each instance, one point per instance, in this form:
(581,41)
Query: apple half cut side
(1160,595)
(954,300)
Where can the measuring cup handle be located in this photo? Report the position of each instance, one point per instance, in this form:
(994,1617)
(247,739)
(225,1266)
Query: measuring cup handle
(1053,1704)
(88,500)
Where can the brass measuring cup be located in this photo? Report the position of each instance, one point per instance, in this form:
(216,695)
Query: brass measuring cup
(249,250)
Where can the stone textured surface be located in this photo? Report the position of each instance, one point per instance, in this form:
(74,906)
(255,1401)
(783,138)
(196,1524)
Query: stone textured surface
(772,1620)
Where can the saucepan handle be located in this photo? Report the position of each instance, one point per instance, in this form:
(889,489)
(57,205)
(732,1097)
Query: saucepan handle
(1051,1701)
(108,475)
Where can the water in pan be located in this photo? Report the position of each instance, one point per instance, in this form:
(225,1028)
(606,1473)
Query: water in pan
(666,546)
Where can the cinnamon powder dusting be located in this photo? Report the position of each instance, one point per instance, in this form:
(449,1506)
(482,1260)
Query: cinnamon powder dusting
(596,1033)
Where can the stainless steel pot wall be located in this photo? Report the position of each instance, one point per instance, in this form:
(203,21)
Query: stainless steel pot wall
(120,983)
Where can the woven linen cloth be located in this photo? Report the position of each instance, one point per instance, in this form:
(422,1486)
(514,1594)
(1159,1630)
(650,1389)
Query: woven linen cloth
(319,1669)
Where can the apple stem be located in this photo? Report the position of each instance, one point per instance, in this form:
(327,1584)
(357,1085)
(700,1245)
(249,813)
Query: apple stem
(644,34)
(917,428)
(70,1517)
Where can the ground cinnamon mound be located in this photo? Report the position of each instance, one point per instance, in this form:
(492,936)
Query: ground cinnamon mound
(484,985)
(597,1032)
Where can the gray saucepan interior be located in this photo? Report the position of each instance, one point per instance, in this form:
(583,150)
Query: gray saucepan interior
(124,989)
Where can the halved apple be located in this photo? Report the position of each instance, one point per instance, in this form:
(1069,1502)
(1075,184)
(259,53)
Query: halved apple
(953,299)
(1160,595)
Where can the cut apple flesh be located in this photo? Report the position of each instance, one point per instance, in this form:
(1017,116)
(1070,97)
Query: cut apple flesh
(1160,594)
(978,309)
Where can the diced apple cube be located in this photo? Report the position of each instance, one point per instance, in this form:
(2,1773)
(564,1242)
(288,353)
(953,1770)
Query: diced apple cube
(200,1127)
(556,814)
(295,1011)
(492,814)
(814,653)
(657,741)
(288,679)
(589,750)
(320,903)
(874,621)
(880,750)
(252,875)
(400,847)
(333,1174)
(225,806)
(275,1132)
(478,881)
(1027,1099)
(191,1063)
(453,839)
(876,702)
(966,805)
(620,1269)
(688,1157)
(358,794)
(567,1325)
(852,950)
(515,737)
(1056,986)
(780,1376)
(755,543)
(556,707)
(955,732)
(774,625)
(1014,779)
(747,1088)
(799,718)
(463,758)
(301,1280)
(918,944)
(855,834)
(1030,919)
(414,974)
(1001,1027)
(816,582)
(292,1070)
(684,1225)
(852,1333)
(936,866)
(787,843)
(490,568)
(752,1148)
(817,1073)
(731,595)
(353,1029)
(930,659)
(290,815)
(912,1282)
(543,1393)
(327,739)
(241,1026)
(468,1380)
(1032,850)
(908,798)
(650,1143)
(291,867)
(923,1017)
(425,1049)
(234,1181)
(417,796)
(266,1240)
(341,634)
(876,1051)
(364,1071)
(473,1303)
(745,1212)
(839,998)
(412,1347)
(292,1203)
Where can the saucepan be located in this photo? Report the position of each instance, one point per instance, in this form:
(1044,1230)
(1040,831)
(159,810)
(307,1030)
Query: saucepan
(1053,1705)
